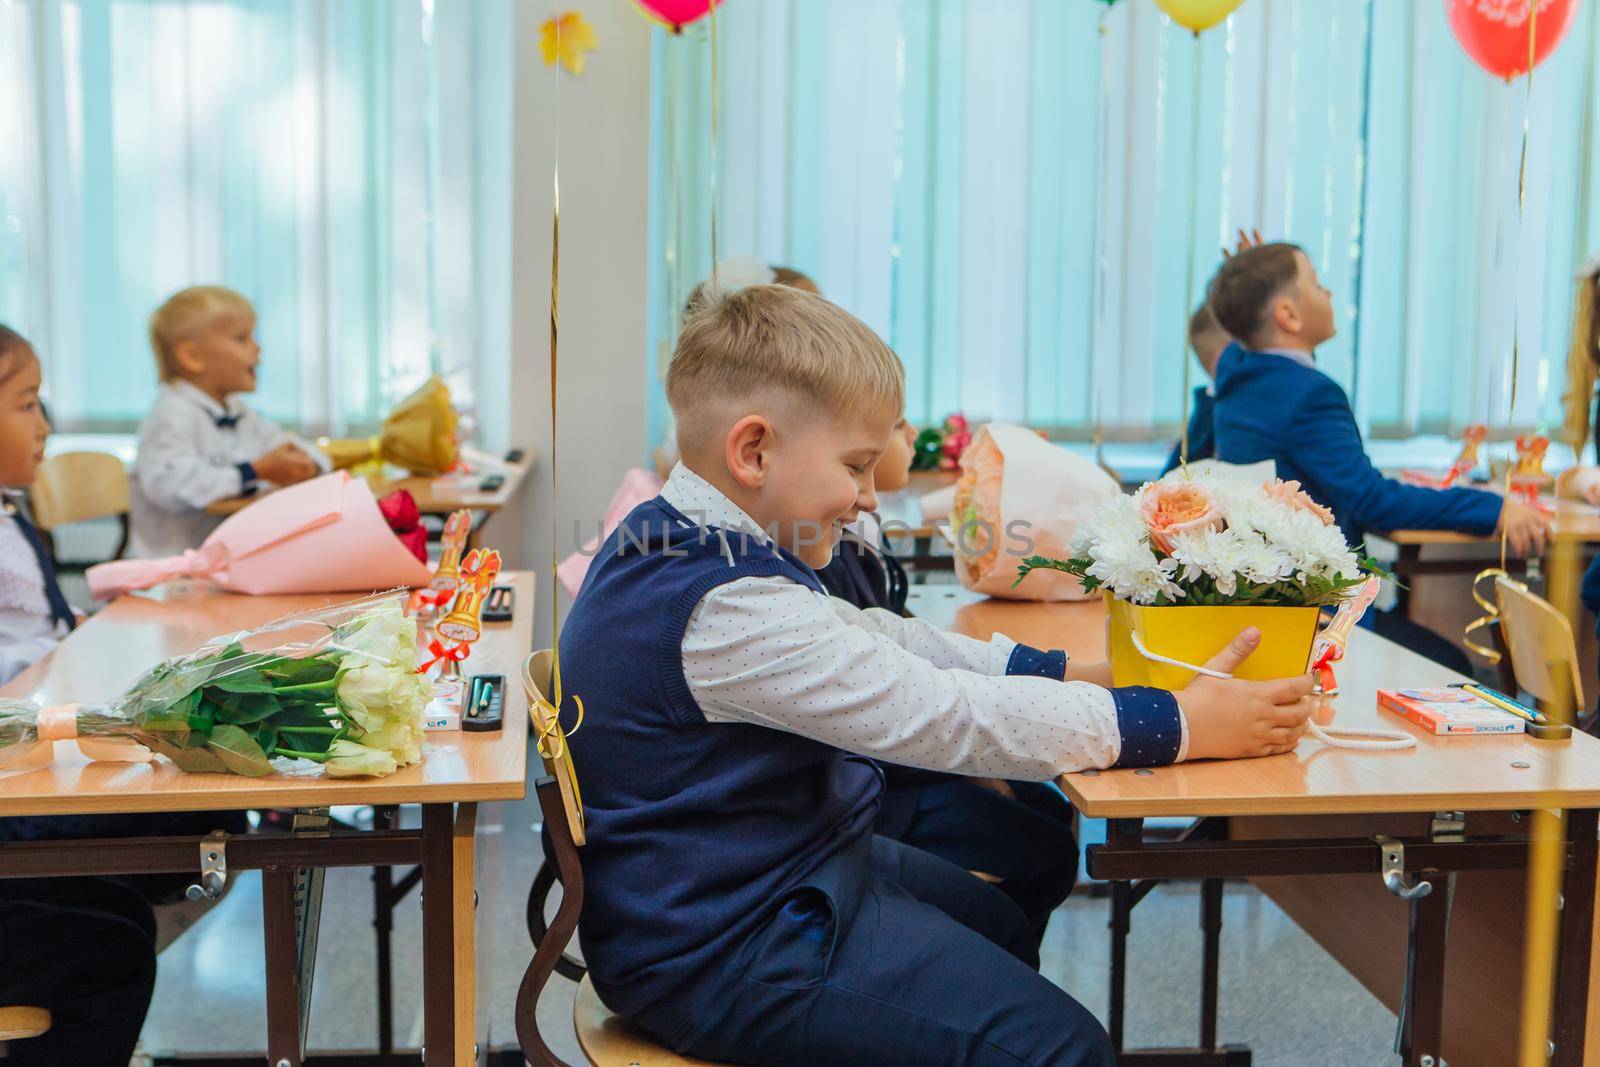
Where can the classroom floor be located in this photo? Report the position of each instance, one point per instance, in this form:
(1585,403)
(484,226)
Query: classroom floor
(1280,993)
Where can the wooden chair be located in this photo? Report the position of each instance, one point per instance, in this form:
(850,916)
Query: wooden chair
(1540,647)
(19,1024)
(79,487)
(607,1039)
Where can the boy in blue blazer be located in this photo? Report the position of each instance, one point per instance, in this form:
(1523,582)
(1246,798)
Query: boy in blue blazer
(1273,403)
(1208,339)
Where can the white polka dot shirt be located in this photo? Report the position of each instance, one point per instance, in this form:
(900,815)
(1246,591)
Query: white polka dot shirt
(775,653)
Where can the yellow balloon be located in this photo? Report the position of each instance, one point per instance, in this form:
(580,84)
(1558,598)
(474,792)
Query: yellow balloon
(1198,15)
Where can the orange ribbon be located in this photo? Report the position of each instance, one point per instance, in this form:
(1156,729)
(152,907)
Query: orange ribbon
(456,653)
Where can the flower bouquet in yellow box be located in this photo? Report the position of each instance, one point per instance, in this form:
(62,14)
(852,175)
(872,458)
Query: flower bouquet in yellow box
(1191,561)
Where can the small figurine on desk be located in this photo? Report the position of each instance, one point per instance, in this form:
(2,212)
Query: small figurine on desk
(463,624)
(1528,477)
(1465,462)
(452,544)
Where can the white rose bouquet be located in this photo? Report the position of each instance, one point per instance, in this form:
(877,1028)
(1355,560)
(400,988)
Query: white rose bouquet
(1214,540)
(337,686)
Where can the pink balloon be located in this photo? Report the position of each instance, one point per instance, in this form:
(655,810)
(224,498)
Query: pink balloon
(676,14)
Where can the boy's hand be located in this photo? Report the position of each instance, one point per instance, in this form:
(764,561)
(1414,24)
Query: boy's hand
(1524,528)
(1580,483)
(1245,241)
(285,465)
(1232,718)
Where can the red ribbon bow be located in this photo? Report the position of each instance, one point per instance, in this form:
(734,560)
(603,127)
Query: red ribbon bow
(455,653)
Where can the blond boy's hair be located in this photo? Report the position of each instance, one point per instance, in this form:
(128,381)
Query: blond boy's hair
(774,340)
(186,313)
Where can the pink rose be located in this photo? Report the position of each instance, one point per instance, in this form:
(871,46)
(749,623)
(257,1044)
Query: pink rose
(1291,495)
(1171,508)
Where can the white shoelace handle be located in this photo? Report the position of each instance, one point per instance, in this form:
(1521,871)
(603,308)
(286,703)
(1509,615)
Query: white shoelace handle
(1360,740)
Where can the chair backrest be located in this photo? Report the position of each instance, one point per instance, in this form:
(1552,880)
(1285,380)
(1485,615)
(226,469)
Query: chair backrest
(553,749)
(77,487)
(1540,640)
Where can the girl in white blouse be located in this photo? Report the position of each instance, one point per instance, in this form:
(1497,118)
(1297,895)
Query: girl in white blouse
(84,948)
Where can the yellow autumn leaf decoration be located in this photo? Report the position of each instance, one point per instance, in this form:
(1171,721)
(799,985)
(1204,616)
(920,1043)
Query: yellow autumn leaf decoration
(566,39)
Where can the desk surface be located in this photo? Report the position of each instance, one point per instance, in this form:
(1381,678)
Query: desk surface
(1441,773)
(435,496)
(103,656)
(1574,522)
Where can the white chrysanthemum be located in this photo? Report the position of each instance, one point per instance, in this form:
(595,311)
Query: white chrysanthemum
(1115,527)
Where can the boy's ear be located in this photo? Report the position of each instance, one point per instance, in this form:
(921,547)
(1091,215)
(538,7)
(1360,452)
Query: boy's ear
(186,354)
(1286,314)
(747,448)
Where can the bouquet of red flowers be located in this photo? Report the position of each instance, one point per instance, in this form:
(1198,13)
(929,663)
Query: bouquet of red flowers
(940,447)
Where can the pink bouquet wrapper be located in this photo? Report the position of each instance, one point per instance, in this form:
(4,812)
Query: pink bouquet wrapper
(638,485)
(325,535)
(1026,497)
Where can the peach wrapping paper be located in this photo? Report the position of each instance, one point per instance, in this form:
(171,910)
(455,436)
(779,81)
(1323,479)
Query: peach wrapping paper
(1021,488)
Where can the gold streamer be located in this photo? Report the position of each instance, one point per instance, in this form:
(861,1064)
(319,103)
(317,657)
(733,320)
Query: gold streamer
(551,739)
(1546,856)
(1490,616)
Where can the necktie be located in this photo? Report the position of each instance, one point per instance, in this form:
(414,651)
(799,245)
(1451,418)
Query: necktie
(60,610)
(227,422)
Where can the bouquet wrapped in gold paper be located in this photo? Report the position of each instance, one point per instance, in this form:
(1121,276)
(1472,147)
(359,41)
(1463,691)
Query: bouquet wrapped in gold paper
(419,435)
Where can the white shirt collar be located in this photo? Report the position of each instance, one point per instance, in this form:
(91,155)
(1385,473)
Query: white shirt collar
(208,403)
(707,505)
(1293,355)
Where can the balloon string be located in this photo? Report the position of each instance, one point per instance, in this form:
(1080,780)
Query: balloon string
(1102,264)
(713,20)
(1188,265)
(1522,188)
(555,318)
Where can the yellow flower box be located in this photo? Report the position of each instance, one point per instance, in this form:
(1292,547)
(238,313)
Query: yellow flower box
(1195,634)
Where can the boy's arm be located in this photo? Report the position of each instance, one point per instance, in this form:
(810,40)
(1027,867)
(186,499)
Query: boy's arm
(771,652)
(1360,496)
(176,478)
(265,435)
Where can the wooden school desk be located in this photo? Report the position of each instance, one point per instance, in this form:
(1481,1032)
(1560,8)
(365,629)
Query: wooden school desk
(1575,523)
(458,770)
(437,496)
(1302,826)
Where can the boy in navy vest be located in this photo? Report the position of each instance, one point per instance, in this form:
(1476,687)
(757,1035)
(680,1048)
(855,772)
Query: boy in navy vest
(738,905)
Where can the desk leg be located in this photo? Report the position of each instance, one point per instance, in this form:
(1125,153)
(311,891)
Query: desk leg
(283,966)
(1211,958)
(1403,570)
(1424,1021)
(449,947)
(1577,936)
(1121,920)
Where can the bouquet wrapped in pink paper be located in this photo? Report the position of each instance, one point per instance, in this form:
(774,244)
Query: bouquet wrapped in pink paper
(336,686)
(326,535)
(1018,494)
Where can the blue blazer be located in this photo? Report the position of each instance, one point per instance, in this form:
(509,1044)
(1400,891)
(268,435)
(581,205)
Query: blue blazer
(1270,407)
(1202,439)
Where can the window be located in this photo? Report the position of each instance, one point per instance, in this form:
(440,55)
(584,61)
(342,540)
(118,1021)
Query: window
(337,161)
(1004,193)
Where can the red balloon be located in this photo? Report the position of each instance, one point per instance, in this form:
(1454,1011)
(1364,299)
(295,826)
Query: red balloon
(676,14)
(1494,33)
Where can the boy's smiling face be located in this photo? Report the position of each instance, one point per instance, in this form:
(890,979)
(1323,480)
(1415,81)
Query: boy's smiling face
(801,476)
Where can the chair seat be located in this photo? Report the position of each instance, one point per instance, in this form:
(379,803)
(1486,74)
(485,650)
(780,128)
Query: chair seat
(18,1024)
(609,1040)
